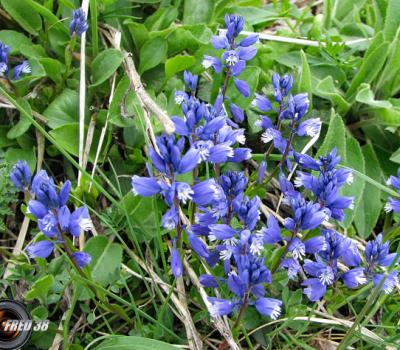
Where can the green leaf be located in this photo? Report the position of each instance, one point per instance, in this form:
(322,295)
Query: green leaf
(305,77)
(195,11)
(15,40)
(326,89)
(392,20)
(67,137)
(105,64)
(133,343)
(28,154)
(366,96)
(153,52)
(354,160)
(370,67)
(106,259)
(178,64)
(139,33)
(145,215)
(24,14)
(23,124)
(335,137)
(40,289)
(367,213)
(63,110)
(54,68)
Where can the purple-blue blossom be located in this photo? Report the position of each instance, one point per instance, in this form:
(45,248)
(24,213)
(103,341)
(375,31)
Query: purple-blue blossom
(78,24)
(21,175)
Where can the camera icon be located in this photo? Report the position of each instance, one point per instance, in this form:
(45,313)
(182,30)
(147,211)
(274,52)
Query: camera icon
(15,325)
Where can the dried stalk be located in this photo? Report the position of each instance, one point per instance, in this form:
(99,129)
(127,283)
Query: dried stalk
(145,100)
(82,93)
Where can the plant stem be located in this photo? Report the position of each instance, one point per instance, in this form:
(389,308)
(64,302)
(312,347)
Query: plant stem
(284,156)
(241,311)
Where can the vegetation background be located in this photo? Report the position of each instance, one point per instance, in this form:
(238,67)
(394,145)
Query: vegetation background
(344,53)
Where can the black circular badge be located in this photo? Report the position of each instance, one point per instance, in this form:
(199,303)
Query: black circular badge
(13,317)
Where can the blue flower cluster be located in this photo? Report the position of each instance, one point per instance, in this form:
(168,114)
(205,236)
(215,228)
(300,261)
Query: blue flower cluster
(288,107)
(23,68)
(237,247)
(233,60)
(51,212)
(78,24)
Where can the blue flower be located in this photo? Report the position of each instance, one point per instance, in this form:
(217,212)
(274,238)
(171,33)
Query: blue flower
(45,190)
(78,23)
(75,222)
(220,307)
(198,245)
(247,210)
(307,215)
(354,277)
(41,249)
(4,52)
(209,281)
(390,282)
(310,127)
(297,107)
(377,253)
(190,80)
(145,186)
(237,113)
(271,233)
(268,307)
(21,175)
(261,171)
(315,289)
(176,263)
(82,258)
(23,68)
(282,85)
(49,225)
(393,204)
(262,103)
(242,87)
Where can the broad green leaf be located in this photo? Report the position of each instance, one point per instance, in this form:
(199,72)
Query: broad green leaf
(63,110)
(326,89)
(395,157)
(369,69)
(354,160)
(367,213)
(188,38)
(178,64)
(15,40)
(105,64)
(254,16)
(392,20)
(387,79)
(195,11)
(366,96)
(133,343)
(162,18)
(40,289)
(106,259)
(305,77)
(54,68)
(67,137)
(153,52)
(139,33)
(24,14)
(335,137)
(145,215)
(344,8)
(23,124)
(28,154)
